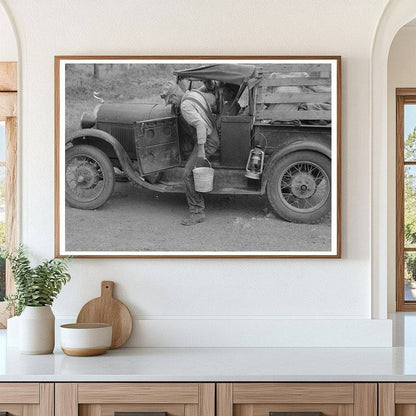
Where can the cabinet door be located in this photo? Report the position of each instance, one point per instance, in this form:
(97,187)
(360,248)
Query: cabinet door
(26,399)
(143,399)
(297,399)
(397,399)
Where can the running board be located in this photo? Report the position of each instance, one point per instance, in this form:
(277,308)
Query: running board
(226,182)
(180,188)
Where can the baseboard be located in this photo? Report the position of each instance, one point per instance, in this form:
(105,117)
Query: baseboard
(165,332)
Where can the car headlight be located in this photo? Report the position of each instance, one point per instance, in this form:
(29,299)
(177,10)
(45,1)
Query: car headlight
(88,119)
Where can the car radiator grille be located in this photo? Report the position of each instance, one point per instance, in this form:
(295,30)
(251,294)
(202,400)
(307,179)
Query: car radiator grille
(125,135)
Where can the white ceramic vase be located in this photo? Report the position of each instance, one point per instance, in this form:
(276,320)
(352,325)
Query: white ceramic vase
(37,330)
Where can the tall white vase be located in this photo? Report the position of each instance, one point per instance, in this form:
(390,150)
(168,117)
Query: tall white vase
(37,330)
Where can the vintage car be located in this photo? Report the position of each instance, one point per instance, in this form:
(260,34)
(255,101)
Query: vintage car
(279,144)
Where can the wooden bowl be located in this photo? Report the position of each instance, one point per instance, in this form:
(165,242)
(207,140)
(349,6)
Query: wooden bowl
(84,340)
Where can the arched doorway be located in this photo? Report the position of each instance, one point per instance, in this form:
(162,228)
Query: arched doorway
(396,14)
(401,110)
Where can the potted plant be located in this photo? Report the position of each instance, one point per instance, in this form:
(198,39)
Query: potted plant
(36,289)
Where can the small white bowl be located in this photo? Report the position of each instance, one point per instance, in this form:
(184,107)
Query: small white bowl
(83,340)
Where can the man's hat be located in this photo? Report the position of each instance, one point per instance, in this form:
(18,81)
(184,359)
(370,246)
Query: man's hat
(167,90)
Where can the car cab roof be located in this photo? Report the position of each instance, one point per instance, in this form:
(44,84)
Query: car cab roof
(227,73)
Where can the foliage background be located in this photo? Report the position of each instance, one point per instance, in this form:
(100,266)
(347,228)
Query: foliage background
(410,206)
(2,209)
(114,83)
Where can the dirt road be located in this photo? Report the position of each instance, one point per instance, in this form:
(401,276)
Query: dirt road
(140,220)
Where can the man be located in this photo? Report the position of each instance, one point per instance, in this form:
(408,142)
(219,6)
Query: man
(195,108)
(230,107)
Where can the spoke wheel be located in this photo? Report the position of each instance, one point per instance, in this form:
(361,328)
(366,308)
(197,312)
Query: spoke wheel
(89,177)
(299,187)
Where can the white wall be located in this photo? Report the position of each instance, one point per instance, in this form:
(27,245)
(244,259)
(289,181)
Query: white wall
(401,74)
(8,47)
(211,302)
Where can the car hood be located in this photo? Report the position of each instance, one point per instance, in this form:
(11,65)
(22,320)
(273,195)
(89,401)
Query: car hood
(131,112)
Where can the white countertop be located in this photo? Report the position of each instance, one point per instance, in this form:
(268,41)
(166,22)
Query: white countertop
(222,364)
(213,364)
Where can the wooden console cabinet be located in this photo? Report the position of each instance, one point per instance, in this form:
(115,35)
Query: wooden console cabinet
(208,399)
(27,399)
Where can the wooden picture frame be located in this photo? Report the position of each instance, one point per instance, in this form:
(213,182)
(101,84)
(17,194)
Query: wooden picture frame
(288,114)
(8,115)
(404,96)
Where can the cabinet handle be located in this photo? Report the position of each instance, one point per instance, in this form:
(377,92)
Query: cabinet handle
(137,414)
(296,414)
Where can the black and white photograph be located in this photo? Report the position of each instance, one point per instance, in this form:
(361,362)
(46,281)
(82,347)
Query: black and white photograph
(197,157)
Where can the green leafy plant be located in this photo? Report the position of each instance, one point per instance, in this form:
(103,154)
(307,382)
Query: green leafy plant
(35,286)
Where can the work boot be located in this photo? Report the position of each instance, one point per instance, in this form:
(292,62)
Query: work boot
(193,219)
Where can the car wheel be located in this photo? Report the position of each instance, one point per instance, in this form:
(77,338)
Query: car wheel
(299,187)
(89,177)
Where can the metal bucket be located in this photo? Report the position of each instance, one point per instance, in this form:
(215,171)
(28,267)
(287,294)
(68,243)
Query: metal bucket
(203,178)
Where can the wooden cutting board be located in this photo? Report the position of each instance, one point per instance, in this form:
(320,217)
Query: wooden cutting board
(107,309)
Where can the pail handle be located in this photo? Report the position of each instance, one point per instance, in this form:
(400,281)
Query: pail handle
(205,159)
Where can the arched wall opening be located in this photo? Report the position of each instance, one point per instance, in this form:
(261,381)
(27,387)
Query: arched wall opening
(396,15)
(401,74)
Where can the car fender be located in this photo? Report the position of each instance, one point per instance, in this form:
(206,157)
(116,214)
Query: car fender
(79,136)
(293,147)
(82,136)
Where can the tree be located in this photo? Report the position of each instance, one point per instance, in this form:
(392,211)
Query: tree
(96,71)
(410,146)
(410,191)
(2,234)
(410,204)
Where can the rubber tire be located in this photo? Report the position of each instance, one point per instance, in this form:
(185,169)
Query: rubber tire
(107,169)
(275,198)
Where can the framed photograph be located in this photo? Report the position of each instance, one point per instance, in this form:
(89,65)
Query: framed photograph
(198,156)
